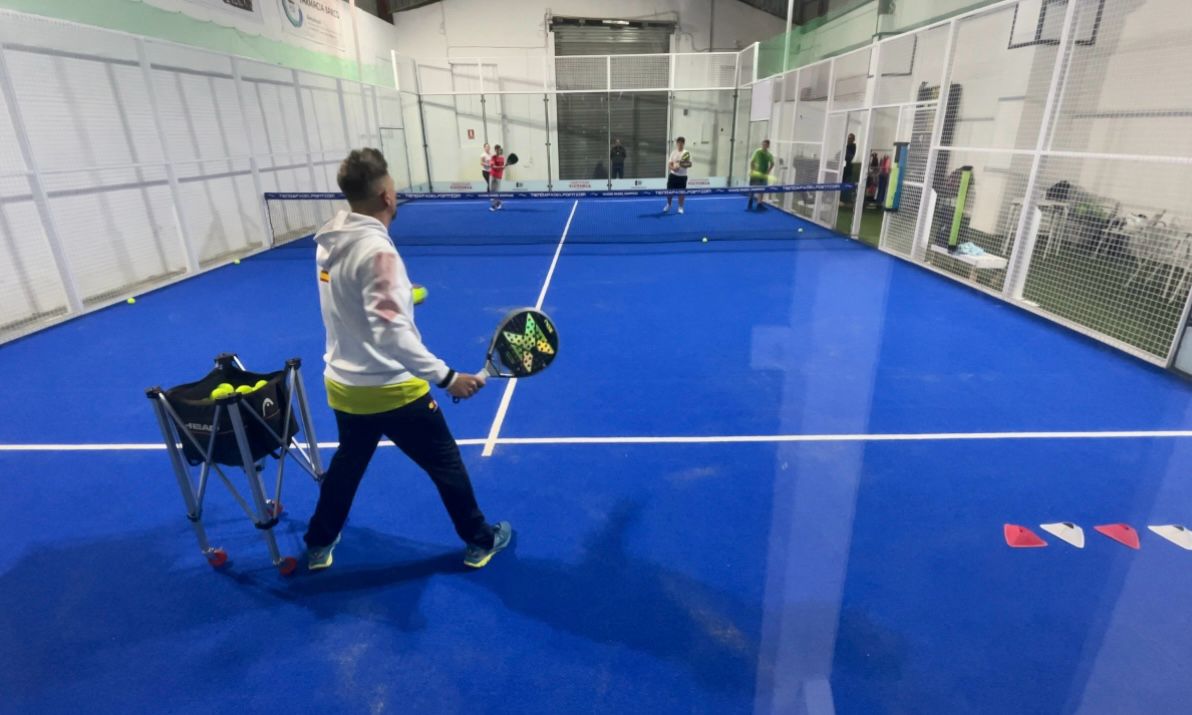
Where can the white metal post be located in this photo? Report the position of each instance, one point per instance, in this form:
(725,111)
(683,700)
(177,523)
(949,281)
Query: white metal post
(343,114)
(886,224)
(819,195)
(40,199)
(396,75)
(866,138)
(253,166)
(1024,241)
(923,222)
(376,102)
(608,117)
(310,158)
(188,248)
(786,42)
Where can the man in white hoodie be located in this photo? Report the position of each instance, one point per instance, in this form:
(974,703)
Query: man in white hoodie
(378,371)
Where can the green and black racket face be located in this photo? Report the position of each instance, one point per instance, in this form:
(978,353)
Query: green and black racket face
(524,343)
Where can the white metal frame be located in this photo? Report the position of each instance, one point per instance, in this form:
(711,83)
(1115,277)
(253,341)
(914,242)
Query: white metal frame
(34,173)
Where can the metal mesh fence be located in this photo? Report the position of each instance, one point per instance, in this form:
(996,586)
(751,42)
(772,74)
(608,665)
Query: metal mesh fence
(640,72)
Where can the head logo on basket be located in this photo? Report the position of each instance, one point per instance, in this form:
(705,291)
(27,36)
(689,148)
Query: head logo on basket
(266,404)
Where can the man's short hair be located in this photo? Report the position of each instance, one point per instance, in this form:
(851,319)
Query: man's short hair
(765,141)
(359,173)
(680,139)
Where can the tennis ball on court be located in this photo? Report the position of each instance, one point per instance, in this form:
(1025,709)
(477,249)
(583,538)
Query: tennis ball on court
(704,239)
(221,391)
(237,261)
(130,301)
(420,294)
(800,230)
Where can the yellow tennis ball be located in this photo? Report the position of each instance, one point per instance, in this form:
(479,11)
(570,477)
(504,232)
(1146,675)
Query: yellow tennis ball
(259,385)
(704,239)
(419,294)
(221,391)
(237,261)
(130,301)
(244,389)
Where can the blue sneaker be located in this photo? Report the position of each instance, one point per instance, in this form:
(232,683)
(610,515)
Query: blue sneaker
(477,557)
(319,559)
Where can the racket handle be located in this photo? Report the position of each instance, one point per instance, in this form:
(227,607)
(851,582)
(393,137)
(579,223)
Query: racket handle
(489,370)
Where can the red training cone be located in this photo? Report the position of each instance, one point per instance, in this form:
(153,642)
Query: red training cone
(1020,537)
(1121,533)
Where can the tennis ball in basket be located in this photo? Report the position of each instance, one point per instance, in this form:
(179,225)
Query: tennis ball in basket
(221,391)
(259,385)
(244,389)
(420,294)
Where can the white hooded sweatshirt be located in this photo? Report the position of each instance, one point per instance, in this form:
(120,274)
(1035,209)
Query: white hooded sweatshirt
(368,308)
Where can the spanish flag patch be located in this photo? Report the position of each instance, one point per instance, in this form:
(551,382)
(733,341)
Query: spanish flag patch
(325,276)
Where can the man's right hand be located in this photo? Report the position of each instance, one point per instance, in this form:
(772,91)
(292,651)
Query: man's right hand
(465,385)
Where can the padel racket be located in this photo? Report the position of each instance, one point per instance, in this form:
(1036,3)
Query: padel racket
(512,160)
(524,344)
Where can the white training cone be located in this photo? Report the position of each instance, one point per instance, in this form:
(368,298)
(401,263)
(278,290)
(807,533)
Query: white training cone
(1066,531)
(1176,534)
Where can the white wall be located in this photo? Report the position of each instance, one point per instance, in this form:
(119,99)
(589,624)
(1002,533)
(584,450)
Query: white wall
(470,28)
(518,51)
(326,25)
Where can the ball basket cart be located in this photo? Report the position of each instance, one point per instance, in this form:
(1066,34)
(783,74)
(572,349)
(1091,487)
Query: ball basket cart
(207,426)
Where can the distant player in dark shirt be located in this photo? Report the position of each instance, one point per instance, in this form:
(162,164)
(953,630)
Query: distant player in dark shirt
(617,156)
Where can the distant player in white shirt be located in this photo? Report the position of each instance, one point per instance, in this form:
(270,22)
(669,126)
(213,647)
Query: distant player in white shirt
(677,166)
(486,161)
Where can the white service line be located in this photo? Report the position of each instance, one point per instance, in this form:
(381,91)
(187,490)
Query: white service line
(511,385)
(685,439)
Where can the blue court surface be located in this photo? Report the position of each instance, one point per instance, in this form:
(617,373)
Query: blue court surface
(765,475)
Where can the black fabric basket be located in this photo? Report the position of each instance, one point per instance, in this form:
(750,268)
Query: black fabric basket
(196,409)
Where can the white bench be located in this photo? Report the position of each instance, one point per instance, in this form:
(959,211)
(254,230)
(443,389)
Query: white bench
(987,262)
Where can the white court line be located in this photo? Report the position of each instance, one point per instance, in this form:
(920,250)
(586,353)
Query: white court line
(695,439)
(511,385)
(907,437)
(153,446)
